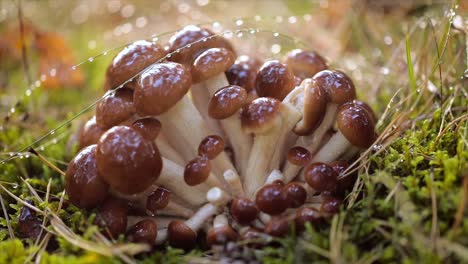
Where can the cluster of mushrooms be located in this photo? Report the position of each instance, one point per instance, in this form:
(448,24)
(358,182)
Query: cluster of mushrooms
(201,144)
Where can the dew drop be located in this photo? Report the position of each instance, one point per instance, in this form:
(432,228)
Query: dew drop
(239,22)
(91,59)
(14,186)
(52,132)
(466,73)
(41,148)
(276,34)
(73,68)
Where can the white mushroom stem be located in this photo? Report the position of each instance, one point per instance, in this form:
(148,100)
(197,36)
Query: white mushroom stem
(275,175)
(234,182)
(213,181)
(313,142)
(201,97)
(265,218)
(290,171)
(217,196)
(201,216)
(168,151)
(220,221)
(335,147)
(162,236)
(161,221)
(350,153)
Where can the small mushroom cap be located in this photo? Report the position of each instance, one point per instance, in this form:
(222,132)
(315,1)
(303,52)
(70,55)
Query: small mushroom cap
(115,108)
(221,235)
(210,63)
(84,185)
(339,86)
(180,235)
(199,40)
(243,210)
(243,72)
(127,161)
(132,60)
(299,156)
(260,115)
(366,107)
(157,200)
(149,127)
(226,101)
(357,125)
(321,177)
(145,231)
(197,170)
(271,199)
(305,64)
(295,193)
(211,146)
(307,215)
(314,108)
(90,133)
(274,79)
(112,216)
(29,224)
(278,227)
(346,183)
(160,87)
(330,205)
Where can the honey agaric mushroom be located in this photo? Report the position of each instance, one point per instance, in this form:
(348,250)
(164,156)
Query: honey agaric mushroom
(131,61)
(295,193)
(321,177)
(90,133)
(278,226)
(274,79)
(297,158)
(355,128)
(305,64)
(149,127)
(83,183)
(198,171)
(307,215)
(271,199)
(127,161)
(211,146)
(115,108)
(243,210)
(225,105)
(330,205)
(112,217)
(221,232)
(243,72)
(144,231)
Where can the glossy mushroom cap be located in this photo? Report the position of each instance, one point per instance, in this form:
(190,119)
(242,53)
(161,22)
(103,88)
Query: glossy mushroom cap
(157,200)
(271,199)
(243,210)
(278,227)
(221,235)
(330,205)
(339,86)
(145,231)
(346,183)
(366,107)
(210,63)
(115,108)
(226,102)
(305,64)
(84,186)
(314,108)
(193,40)
(307,215)
(295,193)
(127,161)
(160,87)
(90,133)
(149,127)
(357,125)
(197,170)
(321,177)
(260,115)
(132,60)
(180,235)
(299,156)
(274,79)
(243,72)
(112,216)
(211,146)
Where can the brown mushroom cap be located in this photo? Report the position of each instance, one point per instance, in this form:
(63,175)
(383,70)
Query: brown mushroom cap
(366,107)
(29,224)
(149,127)
(211,146)
(271,199)
(90,133)
(180,235)
(84,185)
(260,115)
(160,87)
(299,156)
(278,227)
(127,161)
(295,193)
(145,231)
(314,108)
(112,216)
(221,235)
(339,86)
(157,200)
(131,60)
(197,170)
(330,205)
(274,79)
(357,125)
(115,108)
(346,183)
(307,215)
(243,72)
(321,177)
(305,64)
(210,63)
(191,41)
(226,101)
(243,210)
